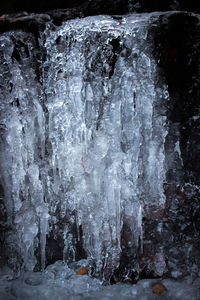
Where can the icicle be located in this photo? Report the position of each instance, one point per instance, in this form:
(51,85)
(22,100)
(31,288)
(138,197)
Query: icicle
(42,212)
(140,230)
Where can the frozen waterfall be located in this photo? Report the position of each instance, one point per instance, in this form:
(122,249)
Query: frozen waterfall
(83,132)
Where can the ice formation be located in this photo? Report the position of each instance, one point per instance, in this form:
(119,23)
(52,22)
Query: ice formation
(61,282)
(83,137)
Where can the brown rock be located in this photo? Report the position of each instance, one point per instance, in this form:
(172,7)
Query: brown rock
(82,271)
(159,288)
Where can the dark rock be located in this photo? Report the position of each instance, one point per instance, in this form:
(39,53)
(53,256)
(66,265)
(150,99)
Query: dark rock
(95,7)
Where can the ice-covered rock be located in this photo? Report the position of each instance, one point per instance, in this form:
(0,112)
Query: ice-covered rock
(89,150)
(84,287)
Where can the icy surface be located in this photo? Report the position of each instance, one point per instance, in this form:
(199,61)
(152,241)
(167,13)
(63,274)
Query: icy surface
(102,140)
(60,282)
(83,147)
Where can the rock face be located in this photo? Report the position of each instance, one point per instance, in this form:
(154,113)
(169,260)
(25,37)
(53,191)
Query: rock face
(100,143)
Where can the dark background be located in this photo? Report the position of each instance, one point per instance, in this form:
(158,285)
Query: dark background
(100,6)
(11,6)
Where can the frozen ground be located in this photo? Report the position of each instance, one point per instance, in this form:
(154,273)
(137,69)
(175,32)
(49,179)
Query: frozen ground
(60,282)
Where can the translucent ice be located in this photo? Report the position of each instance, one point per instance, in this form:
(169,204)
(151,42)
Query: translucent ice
(84,145)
